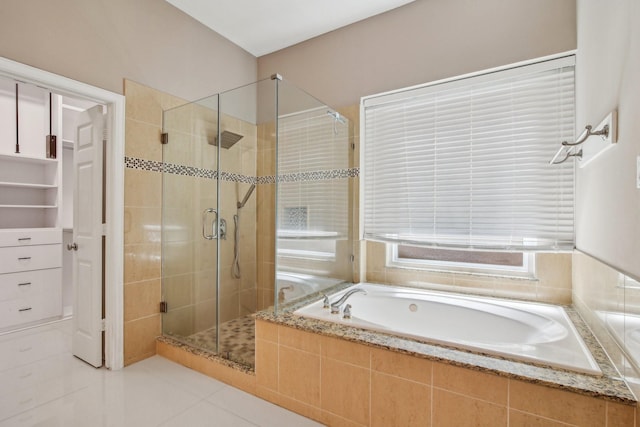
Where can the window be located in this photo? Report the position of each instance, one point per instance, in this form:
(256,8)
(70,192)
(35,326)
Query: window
(464,164)
(509,264)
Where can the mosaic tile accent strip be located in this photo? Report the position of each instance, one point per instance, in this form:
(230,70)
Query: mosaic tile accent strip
(311,176)
(142,164)
(155,166)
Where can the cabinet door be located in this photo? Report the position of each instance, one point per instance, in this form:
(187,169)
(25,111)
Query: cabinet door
(87,237)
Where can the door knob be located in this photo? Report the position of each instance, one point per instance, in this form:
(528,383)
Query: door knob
(72,247)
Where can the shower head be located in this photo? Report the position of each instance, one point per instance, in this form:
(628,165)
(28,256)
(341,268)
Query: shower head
(246,197)
(228,139)
(336,116)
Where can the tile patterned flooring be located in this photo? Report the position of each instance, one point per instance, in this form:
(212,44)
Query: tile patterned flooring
(42,384)
(237,337)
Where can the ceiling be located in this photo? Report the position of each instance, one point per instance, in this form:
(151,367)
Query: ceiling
(261,27)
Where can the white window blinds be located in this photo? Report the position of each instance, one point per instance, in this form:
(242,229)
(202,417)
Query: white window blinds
(466,163)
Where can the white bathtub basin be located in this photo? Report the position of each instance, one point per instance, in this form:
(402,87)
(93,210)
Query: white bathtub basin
(538,333)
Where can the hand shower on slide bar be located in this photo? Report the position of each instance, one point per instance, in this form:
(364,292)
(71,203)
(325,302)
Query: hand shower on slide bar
(246,197)
(235,269)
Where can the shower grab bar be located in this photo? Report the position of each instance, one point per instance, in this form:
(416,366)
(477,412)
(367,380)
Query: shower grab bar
(214,234)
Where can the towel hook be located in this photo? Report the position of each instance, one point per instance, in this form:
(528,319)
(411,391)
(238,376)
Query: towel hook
(578,155)
(602,132)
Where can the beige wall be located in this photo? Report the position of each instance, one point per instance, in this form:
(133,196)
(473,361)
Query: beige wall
(607,78)
(421,42)
(100,42)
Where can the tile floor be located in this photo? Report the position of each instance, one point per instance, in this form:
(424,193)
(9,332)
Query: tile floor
(237,339)
(42,384)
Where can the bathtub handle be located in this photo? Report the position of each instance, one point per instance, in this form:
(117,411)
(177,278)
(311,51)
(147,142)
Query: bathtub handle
(346,314)
(325,301)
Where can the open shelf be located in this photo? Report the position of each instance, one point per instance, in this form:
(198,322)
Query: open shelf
(27,159)
(26,185)
(29,206)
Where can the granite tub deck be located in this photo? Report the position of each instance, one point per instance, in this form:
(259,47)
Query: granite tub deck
(610,386)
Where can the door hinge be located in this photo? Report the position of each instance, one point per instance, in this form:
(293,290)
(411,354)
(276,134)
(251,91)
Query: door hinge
(103,325)
(104,229)
(163,306)
(164,138)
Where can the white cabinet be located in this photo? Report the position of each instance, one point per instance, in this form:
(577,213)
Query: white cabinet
(30,276)
(30,207)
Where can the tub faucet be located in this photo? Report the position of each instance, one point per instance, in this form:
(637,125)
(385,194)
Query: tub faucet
(335,307)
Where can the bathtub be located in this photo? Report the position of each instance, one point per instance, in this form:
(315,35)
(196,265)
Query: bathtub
(532,332)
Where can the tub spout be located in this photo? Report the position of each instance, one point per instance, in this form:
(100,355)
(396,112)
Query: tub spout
(281,296)
(335,307)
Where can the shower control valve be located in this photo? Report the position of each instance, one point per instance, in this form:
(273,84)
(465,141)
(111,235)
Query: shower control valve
(223,229)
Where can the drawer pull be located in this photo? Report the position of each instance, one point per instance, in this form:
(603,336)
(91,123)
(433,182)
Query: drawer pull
(23,376)
(24,258)
(24,284)
(23,239)
(24,309)
(24,349)
(25,401)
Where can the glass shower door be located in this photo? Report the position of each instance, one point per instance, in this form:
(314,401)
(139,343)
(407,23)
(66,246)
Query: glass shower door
(190,230)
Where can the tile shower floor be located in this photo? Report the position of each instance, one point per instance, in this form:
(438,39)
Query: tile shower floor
(42,384)
(237,337)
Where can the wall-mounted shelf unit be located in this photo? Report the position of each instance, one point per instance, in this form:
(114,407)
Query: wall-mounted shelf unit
(29,192)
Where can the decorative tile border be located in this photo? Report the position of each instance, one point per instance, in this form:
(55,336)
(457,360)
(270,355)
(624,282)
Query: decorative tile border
(155,166)
(311,176)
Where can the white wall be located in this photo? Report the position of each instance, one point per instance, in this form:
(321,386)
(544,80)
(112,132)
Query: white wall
(423,41)
(608,77)
(101,42)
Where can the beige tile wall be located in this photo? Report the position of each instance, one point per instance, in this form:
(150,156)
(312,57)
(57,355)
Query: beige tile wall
(190,274)
(357,246)
(142,216)
(552,283)
(341,383)
(266,216)
(600,291)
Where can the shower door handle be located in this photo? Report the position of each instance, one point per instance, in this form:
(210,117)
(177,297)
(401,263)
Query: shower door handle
(214,234)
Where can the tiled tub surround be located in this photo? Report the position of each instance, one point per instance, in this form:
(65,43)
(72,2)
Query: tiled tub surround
(346,376)
(551,282)
(337,373)
(609,301)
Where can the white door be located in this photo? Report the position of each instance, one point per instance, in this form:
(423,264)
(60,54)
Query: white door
(87,237)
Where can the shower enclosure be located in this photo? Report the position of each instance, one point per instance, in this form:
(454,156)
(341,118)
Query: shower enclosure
(256,211)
